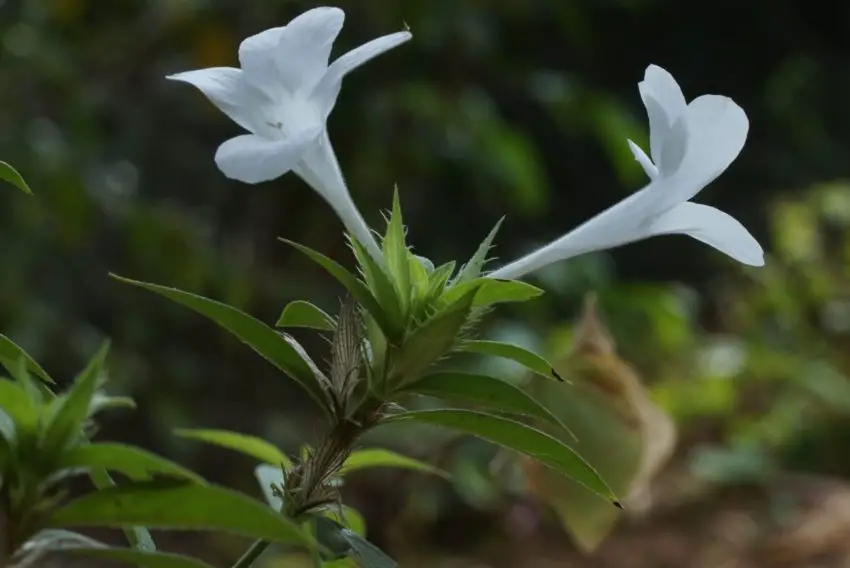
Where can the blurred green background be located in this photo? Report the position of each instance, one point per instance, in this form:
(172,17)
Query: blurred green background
(496,107)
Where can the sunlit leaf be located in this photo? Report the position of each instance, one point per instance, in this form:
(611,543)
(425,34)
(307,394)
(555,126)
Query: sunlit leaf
(179,505)
(516,436)
(278,349)
(379,457)
(242,443)
(133,462)
(301,313)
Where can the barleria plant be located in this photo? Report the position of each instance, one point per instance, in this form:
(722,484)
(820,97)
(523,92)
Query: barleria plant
(400,326)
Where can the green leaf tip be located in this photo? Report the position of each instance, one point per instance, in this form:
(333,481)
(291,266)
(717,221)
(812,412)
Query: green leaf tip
(10,174)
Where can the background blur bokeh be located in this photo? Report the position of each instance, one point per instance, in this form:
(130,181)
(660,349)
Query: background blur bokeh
(496,107)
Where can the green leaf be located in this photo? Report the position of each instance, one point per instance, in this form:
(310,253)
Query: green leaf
(133,462)
(301,313)
(512,352)
(503,291)
(419,276)
(350,518)
(367,554)
(73,407)
(179,505)
(382,288)
(144,558)
(139,537)
(484,391)
(11,352)
(432,340)
(397,256)
(354,286)
(378,457)
(18,406)
(278,349)
(515,436)
(242,443)
(472,269)
(101,401)
(10,174)
(269,476)
(492,291)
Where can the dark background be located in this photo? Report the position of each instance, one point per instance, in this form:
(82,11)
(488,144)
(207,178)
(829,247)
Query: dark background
(505,107)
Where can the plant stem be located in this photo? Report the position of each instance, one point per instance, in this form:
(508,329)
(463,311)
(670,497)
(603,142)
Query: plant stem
(323,463)
(252,554)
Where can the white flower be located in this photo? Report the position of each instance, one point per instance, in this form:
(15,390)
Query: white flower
(691,144)
(283,95)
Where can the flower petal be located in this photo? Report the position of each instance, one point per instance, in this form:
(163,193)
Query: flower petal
(327,89)
(664,103)
(716,132)
(254,159)
(619,224)
(319,167)
(643,160)
(294,56)
(713,227)
(226,88)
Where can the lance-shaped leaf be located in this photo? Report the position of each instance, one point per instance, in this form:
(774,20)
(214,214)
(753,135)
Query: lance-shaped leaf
(379,457)
(382,288)
(11,353)
(341,541)
(133,462)
(280,350)
(492,291)
(19,407)
(621,432)
(365,553)
(10,174)
(243,443)
(181,506)
(515,353)
(519,437)
(485,392)
(431,341)
(142,558)
(67,420)
(473,268)
(304,314)
(354,286)
(139,537)
(397,256)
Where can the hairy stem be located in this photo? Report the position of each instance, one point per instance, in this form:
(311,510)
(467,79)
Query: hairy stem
(310,480)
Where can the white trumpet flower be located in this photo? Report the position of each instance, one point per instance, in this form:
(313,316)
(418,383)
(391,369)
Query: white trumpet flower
(282,96)
(691,144)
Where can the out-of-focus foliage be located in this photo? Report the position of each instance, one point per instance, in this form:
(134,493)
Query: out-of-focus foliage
(495,107)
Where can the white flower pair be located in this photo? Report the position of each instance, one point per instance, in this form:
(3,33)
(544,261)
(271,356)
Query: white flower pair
(285,91)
